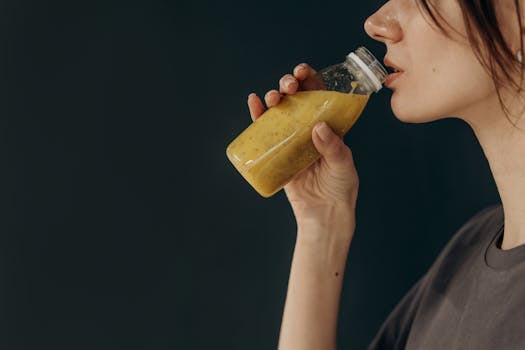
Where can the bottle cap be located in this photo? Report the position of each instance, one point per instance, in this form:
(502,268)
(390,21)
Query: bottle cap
(370,66)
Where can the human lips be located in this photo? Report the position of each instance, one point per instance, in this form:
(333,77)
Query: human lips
(397,71)
(391,77)
(391,65)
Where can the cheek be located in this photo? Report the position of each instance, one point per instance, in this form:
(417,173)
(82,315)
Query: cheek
(444,89)
(419,93)
(443,77)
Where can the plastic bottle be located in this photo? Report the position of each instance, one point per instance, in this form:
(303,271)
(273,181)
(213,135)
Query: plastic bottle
(278,145)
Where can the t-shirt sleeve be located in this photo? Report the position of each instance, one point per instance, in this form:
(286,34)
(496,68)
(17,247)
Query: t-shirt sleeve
(394,332)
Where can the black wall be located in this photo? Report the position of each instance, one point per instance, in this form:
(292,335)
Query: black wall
(123,224)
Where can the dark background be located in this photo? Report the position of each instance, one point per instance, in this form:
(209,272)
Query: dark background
(123,224)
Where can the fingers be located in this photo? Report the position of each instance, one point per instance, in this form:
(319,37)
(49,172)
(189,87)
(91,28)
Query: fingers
(307,77)
(255,106)
(288,84)
(303,71)
(272,98)
(331,147)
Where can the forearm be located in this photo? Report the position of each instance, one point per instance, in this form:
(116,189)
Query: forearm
(314,288)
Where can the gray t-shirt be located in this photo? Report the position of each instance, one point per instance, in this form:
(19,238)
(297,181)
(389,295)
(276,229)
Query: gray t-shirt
(472,297)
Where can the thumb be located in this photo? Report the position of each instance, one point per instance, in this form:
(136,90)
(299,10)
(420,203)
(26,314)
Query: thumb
(331,146)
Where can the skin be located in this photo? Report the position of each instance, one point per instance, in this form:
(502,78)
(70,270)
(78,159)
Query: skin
(323,200)
(465,89)
(329,184)
(323,197)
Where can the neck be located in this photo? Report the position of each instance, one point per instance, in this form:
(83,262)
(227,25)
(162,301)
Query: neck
(504,147)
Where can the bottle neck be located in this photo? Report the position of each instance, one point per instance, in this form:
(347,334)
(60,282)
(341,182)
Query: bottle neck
(365,83)
(367,69)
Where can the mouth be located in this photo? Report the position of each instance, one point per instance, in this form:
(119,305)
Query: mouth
(394,71)
(391,67)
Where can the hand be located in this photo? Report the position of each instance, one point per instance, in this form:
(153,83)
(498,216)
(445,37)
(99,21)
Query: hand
(332,181)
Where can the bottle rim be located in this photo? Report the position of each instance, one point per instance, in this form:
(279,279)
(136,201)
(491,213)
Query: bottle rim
(366,67)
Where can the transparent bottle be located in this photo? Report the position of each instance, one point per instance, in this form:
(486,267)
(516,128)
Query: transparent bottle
(278,145)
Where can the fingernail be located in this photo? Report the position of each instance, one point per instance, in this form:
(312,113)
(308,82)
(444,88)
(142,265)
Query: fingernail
(253,94)
(290,82)
(299,68)
(323,131)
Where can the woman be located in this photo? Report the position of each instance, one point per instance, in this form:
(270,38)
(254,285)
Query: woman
(473,296)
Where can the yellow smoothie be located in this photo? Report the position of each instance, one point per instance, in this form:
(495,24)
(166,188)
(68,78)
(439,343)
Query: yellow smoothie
(278,145)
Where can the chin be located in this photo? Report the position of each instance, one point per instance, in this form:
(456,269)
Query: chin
(408,113)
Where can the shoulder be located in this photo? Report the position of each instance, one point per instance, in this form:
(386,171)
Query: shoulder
(479,227)
(464,246)
(471,239)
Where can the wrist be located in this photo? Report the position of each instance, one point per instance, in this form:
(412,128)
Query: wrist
(329,224)
(325,249)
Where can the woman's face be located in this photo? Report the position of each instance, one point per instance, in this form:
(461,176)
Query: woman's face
(441,76)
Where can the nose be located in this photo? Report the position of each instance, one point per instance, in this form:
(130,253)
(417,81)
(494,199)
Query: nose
(383,25)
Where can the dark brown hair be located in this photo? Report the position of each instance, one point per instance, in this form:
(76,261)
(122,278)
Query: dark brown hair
(489,45)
